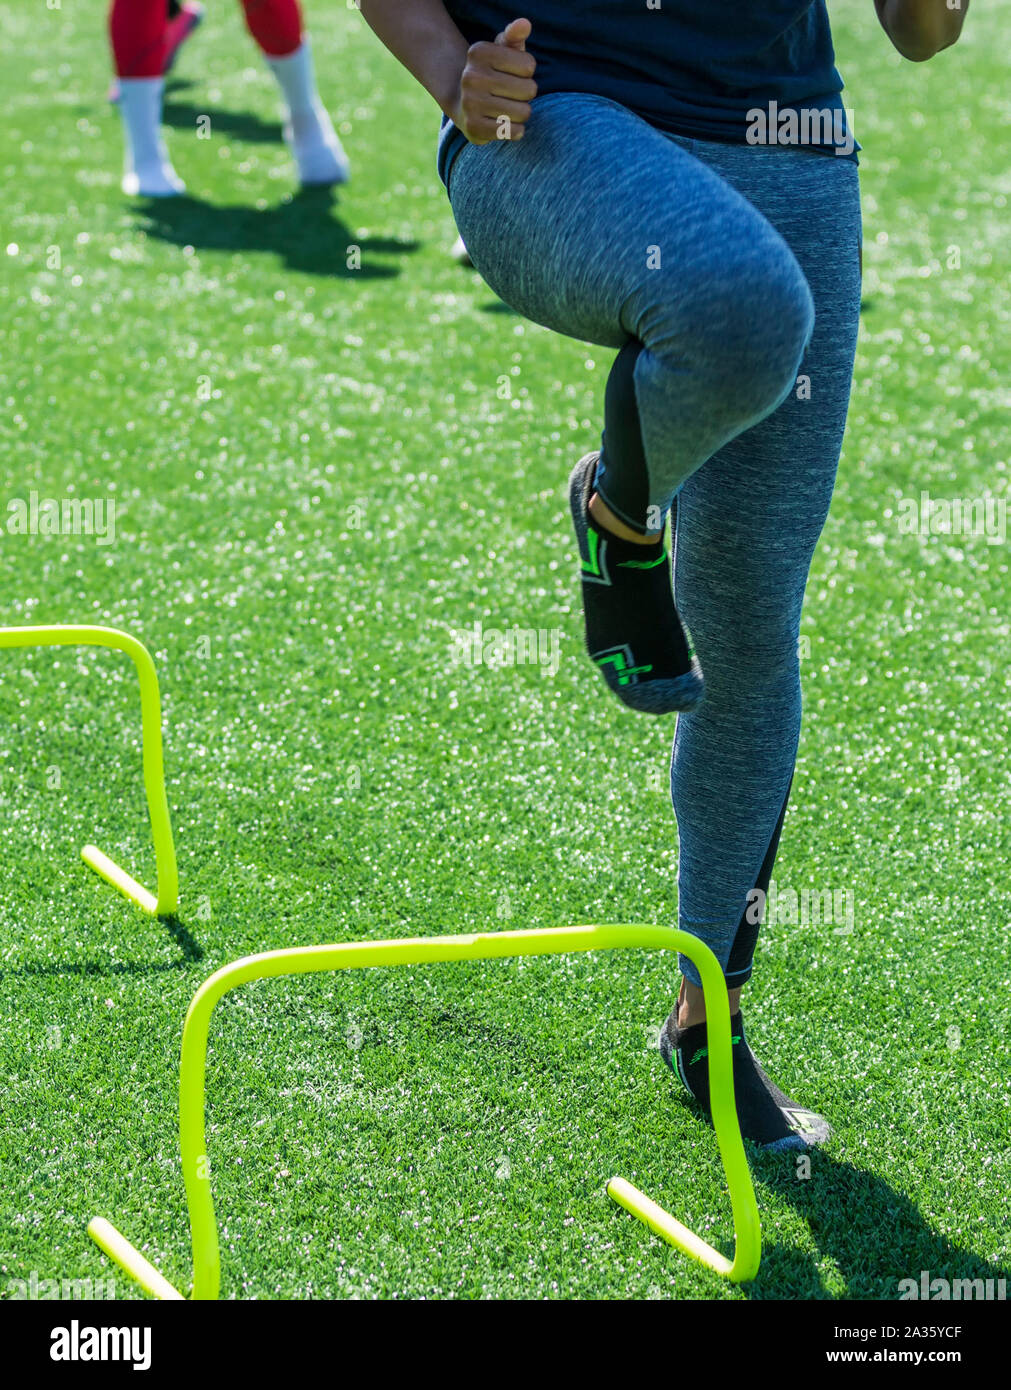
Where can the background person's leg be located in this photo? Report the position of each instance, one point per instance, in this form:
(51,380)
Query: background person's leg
(747,526)
(276,25)
(137,35)
(183,19)
(137,32)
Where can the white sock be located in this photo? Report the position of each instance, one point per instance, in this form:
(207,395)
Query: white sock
(296,78)
(309,131)
(149,170)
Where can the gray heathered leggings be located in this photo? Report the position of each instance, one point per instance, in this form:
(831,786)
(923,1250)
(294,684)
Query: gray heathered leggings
(729,276)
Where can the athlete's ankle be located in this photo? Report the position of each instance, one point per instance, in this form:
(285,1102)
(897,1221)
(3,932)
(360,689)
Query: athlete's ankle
(692,1004)
(603,516)
(633,632)
(766,1114)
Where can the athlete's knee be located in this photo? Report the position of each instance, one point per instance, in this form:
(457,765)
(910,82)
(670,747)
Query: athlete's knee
(761,317)
(745,325)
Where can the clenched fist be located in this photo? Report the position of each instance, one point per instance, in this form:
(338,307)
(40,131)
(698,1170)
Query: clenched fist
(497,87)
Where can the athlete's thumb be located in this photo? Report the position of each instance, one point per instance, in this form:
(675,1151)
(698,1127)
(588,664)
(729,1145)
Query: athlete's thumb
(515,34)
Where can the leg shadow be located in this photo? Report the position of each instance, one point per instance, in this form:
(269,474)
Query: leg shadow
(241,125)
(875,1236)
(302,230)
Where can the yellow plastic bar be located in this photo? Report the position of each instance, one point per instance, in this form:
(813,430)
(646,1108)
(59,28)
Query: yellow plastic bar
(667,1226)
(71,635)
(129,1258)
(119,879)
(427,950)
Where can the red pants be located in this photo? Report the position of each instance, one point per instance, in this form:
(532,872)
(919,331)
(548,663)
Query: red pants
(137,30)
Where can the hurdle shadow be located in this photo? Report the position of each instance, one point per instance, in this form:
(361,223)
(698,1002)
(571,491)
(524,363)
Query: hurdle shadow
(874,1235)
(88,969)
(189,947)
(302,230)
(190,953)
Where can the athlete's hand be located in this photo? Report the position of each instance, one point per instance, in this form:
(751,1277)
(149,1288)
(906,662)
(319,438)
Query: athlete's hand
(497,87)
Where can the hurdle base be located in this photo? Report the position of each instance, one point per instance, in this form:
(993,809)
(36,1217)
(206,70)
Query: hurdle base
(130,1260)
(660,1222)
(356,955)
(119,879)
(671,1230)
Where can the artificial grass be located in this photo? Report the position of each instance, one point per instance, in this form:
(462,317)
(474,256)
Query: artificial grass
(321,476)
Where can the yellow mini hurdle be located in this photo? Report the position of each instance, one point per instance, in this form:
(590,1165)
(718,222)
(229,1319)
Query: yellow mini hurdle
(166,901)
(356,955)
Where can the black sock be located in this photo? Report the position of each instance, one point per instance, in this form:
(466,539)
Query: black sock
(766,1115)
(633,632)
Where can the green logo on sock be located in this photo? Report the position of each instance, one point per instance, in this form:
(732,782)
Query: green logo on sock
(704,1051)
(592,565)
(625,672)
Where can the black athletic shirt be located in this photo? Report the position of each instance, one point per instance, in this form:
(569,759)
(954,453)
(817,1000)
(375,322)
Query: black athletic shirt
(693,67)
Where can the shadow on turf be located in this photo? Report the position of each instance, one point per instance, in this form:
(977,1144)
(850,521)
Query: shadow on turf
(182,115)
(874,1235)
(302,230)
(188,944)
(89,968)
(190,948)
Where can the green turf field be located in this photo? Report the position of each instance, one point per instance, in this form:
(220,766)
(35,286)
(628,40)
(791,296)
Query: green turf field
(320,475)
